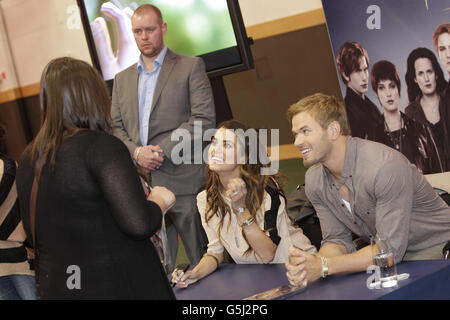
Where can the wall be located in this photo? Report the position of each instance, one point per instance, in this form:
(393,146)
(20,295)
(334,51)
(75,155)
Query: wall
(11,108)
(48,32)
(256,12)
(25,48)
(287,67)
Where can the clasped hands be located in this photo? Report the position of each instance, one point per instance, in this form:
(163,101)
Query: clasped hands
(149,158)
(302,267)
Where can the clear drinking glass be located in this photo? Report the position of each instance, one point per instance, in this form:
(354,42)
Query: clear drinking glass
(383,257)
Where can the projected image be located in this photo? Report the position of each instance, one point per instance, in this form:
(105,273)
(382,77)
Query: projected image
(195,27)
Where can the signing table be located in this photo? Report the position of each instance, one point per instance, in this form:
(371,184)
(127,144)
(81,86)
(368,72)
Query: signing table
(429,279)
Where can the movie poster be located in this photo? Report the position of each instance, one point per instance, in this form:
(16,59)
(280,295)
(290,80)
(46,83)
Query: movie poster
(393,63)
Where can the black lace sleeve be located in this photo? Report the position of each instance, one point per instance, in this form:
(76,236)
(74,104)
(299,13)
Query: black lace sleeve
(110,162)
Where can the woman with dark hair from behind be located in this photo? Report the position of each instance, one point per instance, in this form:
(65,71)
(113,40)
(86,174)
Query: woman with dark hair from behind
(92,219)
(426,88)
(396,129)
(243,208)
(16,276)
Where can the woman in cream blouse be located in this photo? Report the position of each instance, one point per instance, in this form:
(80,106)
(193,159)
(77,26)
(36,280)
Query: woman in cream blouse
(242,210)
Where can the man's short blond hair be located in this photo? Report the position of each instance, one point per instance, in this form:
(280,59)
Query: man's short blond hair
(145,8)
(324,109)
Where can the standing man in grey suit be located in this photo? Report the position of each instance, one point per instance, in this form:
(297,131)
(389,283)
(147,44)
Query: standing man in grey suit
(162,93)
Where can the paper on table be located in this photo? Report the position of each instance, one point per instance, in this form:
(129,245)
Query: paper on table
(279,292)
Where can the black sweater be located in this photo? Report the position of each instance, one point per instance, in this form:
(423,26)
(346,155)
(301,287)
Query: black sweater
(91,212)
(362,114)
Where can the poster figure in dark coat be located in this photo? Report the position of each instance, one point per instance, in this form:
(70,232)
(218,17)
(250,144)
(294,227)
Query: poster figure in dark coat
(396,129)
(426,88)
(353,65)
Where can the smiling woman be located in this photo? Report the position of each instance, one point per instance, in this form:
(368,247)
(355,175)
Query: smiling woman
(225,152)
(242,210)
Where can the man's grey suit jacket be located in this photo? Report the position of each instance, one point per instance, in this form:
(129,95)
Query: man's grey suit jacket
(182,95)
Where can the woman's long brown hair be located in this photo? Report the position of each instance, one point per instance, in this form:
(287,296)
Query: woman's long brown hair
(73,96)
(254,181)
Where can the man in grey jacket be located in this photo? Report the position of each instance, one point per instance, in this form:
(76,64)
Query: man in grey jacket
(161,98)
(362,187)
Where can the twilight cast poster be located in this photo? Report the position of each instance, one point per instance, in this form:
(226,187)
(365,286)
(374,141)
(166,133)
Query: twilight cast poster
(393,62)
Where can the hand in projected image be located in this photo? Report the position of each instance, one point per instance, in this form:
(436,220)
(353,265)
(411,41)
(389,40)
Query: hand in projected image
(127,51)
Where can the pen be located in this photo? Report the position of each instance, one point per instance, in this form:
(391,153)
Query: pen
(181,274)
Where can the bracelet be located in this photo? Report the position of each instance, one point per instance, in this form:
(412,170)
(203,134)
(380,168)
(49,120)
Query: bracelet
(240,210)
(324,267)
(214,257)
(138,150)
(248,222)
